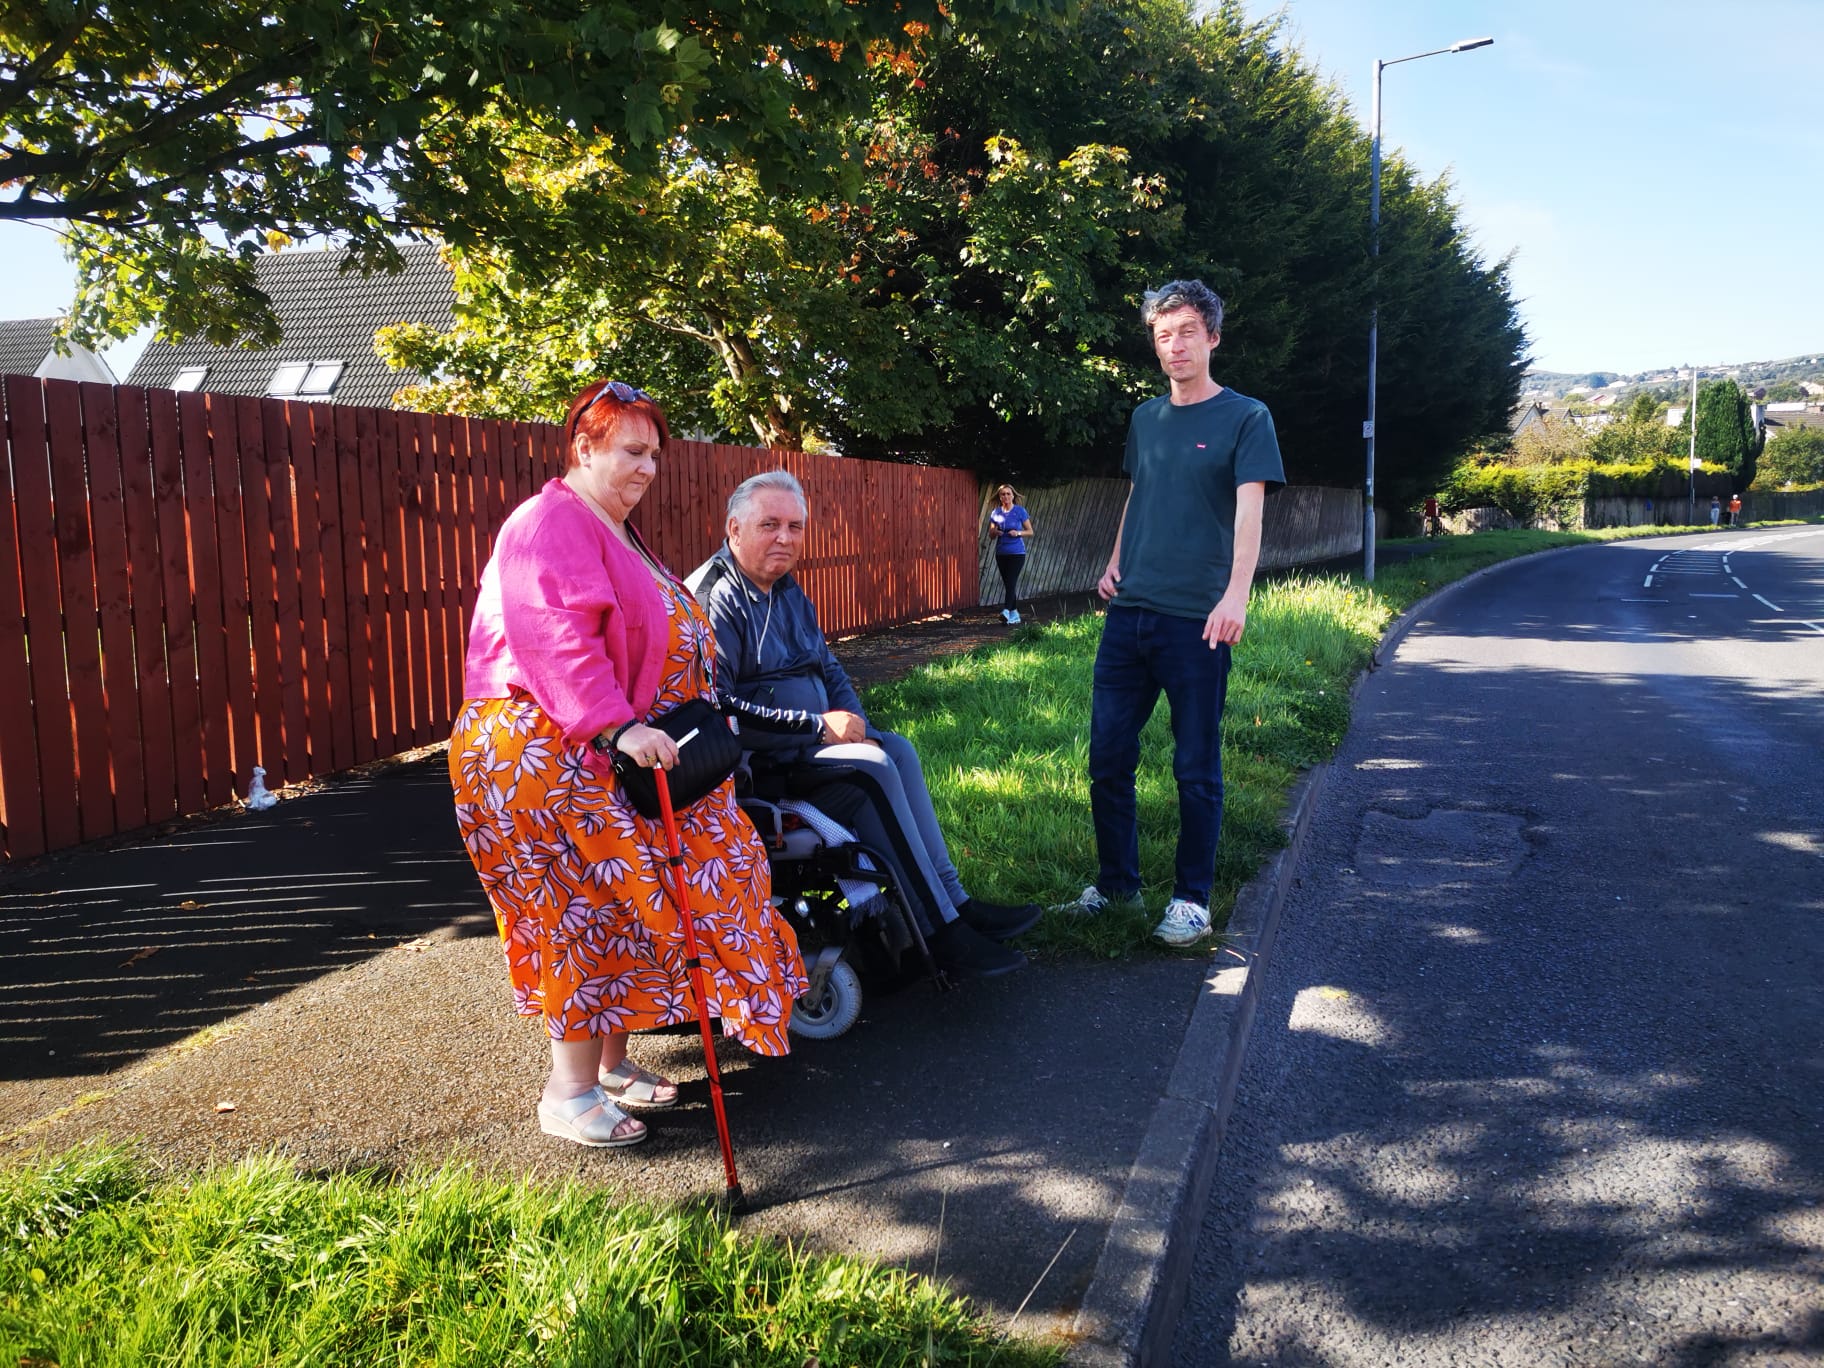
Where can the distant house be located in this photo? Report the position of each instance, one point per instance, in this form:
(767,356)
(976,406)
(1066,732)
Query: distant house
(329,317)
(1526,416)
(1781,418)
(28,346)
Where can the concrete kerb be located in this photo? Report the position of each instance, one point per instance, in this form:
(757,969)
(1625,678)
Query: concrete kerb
(1131,1309)
(1138,1289)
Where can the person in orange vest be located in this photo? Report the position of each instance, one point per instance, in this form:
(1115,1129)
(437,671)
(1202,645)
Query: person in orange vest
(1735,508)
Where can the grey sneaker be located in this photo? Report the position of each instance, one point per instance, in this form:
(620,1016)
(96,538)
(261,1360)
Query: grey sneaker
(1093,902)
(1185,922)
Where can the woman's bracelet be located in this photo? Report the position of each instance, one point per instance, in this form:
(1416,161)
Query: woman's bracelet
(601,747)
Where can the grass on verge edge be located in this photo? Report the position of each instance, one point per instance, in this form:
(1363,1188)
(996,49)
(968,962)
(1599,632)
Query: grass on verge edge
(1003,733)
(104,1264)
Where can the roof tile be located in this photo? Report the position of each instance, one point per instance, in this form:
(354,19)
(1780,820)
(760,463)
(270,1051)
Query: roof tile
(327,314)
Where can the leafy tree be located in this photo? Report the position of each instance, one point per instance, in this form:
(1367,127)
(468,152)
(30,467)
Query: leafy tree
(1640,437)
(1726,435)
(1796,456)
(1645,407)
(1554,441)
(177,140)
(961,281)
(791,316)
(1785,392)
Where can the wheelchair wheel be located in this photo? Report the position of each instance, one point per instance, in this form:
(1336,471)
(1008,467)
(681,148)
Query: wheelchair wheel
(836,1007)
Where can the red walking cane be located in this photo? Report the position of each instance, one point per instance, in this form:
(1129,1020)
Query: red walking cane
(674,864)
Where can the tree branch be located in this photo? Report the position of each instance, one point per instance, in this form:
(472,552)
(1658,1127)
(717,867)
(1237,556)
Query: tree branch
(11,93)
(96,208)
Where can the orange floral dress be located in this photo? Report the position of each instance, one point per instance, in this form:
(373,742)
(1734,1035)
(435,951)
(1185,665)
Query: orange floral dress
(593,942)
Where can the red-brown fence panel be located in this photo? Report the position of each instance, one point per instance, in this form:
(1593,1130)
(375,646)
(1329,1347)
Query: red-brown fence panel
(184,671)
(22,779)
(265,724)
(157,759)
(227,446)
(75,554)
(285,749)
(193,584)
(311,444)
(114,605)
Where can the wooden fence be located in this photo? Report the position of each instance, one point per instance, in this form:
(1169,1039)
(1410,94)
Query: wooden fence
(193,584)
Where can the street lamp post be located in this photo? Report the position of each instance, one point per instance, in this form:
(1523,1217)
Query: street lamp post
(1691,506)
(1374,318)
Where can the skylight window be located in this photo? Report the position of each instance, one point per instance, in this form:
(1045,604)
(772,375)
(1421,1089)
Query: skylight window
(305,379)
(190,378)
(287,379)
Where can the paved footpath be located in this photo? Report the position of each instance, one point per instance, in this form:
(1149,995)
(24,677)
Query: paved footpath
(330,969)
(1538,1073)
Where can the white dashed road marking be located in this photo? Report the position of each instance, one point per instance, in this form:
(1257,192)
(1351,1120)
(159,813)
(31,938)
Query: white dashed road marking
(1776,607)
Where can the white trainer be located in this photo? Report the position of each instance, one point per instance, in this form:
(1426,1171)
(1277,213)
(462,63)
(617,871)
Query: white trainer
(1013,617)
(1007,616)
(1093,902)
(1184,922)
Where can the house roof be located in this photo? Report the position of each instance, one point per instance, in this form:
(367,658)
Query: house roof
(24,343)
(327,314)
(1811,417)
(1525,416)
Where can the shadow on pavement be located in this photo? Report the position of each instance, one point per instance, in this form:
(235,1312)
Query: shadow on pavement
(115,952)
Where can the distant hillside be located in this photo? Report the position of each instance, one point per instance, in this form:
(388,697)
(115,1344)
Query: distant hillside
(1553,384)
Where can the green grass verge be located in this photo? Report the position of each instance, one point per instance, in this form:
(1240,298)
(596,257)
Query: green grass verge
(1003,732)
(103,1264)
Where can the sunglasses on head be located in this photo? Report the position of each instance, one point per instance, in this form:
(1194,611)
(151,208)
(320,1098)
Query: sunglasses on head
(622,392)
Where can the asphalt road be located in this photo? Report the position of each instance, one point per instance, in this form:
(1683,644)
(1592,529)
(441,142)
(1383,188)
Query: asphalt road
(1538,1077)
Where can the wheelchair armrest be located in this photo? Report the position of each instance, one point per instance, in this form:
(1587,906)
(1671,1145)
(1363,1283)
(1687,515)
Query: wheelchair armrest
(773,781)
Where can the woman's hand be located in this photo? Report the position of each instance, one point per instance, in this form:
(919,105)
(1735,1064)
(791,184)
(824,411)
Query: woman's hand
(648,746)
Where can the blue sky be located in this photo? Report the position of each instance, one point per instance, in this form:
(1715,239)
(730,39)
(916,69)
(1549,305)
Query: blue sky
(1654,165)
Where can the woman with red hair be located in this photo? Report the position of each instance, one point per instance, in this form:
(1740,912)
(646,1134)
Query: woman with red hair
(579,635)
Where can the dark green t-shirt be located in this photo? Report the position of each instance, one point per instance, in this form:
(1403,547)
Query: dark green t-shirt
(1178,544)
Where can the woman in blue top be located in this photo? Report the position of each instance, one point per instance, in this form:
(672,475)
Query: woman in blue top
(1010,525)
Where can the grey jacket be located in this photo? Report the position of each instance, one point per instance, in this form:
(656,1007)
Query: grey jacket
(773,664)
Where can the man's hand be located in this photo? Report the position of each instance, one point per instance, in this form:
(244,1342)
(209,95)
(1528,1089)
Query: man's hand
(1108,585)
(840,727)
(1227,621)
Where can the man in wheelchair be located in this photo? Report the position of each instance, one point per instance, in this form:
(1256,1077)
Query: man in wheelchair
(773,657)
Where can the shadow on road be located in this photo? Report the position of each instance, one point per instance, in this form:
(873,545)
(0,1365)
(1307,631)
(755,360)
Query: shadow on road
(1545,1076)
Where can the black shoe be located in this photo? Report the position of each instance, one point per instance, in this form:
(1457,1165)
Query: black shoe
(1000,921)
(961,950)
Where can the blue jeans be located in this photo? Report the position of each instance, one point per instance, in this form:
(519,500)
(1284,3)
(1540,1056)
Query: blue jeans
(1141,653)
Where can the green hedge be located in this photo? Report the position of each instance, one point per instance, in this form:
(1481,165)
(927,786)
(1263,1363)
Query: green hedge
(1531,494)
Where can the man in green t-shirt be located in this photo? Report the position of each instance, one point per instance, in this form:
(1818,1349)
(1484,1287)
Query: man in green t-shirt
(1201,459)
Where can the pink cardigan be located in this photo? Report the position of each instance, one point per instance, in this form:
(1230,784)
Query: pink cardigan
(569,615)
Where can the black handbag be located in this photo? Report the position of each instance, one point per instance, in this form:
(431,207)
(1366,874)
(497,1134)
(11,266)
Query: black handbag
(708,752)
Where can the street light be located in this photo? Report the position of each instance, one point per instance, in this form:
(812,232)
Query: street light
(1374,319)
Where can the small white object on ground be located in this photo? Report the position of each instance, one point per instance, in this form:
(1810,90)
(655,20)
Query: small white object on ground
(258,796)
